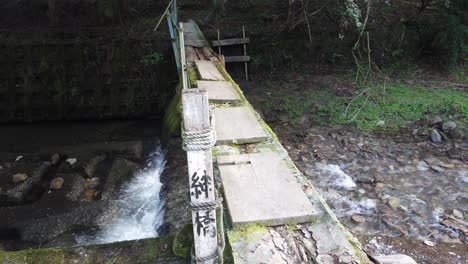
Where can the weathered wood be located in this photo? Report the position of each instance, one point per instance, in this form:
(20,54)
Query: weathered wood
(229,42)
(200,168)
(183,62)
(245,54)
(236,58)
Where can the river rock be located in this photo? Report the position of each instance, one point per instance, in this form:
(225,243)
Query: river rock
(18,193)
(435,120)
(92,183)
(92,164)
(450,125)
(19,177)
(435,136)
(90,194)
(380,185)
(358,218)
(393,202)
(74,185)
(56,183)
(457,214)
(55,159)
(437,168)
(365,178)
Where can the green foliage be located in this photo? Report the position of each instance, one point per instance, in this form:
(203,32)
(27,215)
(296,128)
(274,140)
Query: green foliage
(152,58)
(451,31)
(397,105)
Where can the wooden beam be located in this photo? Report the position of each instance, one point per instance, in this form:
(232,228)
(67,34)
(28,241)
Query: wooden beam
(236,58)
(229,42)
(200,168)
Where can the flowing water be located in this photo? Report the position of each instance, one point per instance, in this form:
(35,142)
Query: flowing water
(140,208)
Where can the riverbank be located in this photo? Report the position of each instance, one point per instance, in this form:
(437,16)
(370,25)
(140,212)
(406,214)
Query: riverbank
(390,182)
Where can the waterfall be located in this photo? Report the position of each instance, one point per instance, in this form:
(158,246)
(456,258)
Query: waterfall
(140,207)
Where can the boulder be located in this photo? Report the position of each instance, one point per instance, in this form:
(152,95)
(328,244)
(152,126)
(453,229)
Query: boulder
(121,171)
(91,165)
(74,186)
(47,228)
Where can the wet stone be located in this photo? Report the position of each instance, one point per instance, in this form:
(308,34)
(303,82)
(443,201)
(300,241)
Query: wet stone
(358,218)
(435,136)
(56,183)
(449,126)
(19,177)
(393,202)
(55,159)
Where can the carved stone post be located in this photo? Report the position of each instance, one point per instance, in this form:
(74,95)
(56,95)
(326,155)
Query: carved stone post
(198,138)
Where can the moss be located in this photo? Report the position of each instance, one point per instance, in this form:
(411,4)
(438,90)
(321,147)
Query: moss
(183,242)
(192,76)
(247,231)
(172,117)
(141,251)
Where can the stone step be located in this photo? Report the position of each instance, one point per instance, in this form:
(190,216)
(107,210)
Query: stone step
(259,187)
(208,71)
(237,125)
(219,91)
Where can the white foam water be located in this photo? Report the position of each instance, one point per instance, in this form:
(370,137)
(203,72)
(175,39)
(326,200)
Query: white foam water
(336,177)
(140,207)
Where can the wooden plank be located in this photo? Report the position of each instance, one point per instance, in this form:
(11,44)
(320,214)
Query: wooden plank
(200,168)
(208,71)
(229,42)
(237,58)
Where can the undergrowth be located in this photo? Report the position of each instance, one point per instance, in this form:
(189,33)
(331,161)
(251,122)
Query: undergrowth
(375,107)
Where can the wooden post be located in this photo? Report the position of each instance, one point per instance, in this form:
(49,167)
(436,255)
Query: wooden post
(183,61)
(219,41)
(201,181)
(245,54)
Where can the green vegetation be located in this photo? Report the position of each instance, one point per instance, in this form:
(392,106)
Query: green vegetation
(152,58)
(183,242)
(376,107)
(141,251)
(246,231)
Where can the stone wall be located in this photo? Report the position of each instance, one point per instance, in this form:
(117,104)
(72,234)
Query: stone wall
(72,79)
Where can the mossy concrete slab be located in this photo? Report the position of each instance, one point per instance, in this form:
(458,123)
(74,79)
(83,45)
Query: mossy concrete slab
(219,91)
(259,187)
(237,125)
(208,71)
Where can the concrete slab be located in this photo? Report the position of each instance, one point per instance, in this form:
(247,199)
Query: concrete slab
(237,125)
(219,91)
(208,71)
(259,187)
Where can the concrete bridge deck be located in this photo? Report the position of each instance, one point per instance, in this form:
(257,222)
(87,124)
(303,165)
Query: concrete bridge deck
(275,214)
